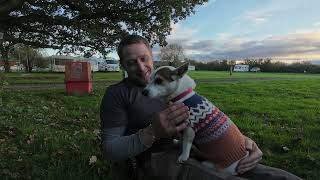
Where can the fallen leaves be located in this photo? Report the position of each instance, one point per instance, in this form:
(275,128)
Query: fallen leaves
(30,139)
(92,160)
(76,120)
(309,157)
(285,149)
(19,159)
(96,132)
(12,131)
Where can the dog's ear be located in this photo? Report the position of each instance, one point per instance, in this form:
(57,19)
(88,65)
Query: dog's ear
(180,71)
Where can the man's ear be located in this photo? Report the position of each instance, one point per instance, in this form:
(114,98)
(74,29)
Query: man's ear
(180,71)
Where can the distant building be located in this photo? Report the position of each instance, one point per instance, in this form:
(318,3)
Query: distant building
(191,68)
(11,63)
(241,68)
(255,69)
(106,64)
(14,65)
(57,63)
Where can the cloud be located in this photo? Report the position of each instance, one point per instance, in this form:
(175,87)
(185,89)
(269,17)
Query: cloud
(265,12)
(257,17)
(316,24)
(181,32)
(294,45)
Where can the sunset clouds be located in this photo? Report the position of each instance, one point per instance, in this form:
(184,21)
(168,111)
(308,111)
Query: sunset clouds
(280,29)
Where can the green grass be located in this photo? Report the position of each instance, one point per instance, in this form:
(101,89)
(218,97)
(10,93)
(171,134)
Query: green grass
(38,78)
(25,78)
(48,135)
(276,114)
(45,134)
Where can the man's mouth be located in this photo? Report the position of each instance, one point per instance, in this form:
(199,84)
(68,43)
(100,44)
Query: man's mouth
(146,75)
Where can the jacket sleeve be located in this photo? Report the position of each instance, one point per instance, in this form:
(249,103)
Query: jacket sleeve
(116,146)
(113,114)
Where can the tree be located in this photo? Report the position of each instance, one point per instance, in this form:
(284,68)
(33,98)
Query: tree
(87,26)
(172,53)
(29,57)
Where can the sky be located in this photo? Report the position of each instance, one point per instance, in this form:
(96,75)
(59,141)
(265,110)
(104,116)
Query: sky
(238,29)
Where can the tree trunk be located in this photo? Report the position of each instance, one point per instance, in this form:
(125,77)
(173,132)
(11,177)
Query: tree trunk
(5,58)
(6,64)
(4,50)
(29,69)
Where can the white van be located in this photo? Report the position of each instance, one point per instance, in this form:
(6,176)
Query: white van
(108,65)
(241,68)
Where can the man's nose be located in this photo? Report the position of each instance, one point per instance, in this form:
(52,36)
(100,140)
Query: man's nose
(141,66)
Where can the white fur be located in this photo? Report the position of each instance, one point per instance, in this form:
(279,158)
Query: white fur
(169,90)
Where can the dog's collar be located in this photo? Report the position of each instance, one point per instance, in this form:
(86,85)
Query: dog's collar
(182,95)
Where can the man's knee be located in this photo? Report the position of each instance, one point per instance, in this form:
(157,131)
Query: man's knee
(262,172)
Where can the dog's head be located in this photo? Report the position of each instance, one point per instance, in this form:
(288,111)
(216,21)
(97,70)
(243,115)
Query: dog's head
(166,80)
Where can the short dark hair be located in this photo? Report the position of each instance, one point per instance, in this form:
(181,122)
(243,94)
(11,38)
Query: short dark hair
(131,39)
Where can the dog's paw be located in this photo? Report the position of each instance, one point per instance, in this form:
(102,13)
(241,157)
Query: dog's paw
(182,159)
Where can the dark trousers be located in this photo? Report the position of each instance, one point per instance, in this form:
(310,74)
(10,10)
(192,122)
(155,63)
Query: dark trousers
(163,166)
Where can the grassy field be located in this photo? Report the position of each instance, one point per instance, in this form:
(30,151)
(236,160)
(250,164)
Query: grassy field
(26,78)
(45,134)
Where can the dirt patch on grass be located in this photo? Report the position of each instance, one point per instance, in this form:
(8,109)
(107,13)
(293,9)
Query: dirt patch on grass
(51,85)
(16,86)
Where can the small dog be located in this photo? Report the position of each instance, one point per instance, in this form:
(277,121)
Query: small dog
(212,131)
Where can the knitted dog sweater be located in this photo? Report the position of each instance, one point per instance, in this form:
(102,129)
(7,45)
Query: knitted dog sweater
(216,135)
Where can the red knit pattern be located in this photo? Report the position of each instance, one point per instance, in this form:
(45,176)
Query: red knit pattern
(227,149)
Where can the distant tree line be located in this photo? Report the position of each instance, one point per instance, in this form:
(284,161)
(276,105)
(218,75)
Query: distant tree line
(173,55)
(266,65)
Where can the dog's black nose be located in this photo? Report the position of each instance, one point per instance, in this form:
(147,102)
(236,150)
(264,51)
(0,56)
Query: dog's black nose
(145,92)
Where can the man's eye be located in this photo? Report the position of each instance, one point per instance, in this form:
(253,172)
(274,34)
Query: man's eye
(131,62)
(144,59)
(158,81)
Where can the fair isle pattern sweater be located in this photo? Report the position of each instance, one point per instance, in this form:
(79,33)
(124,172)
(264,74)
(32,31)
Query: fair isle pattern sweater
(216,135)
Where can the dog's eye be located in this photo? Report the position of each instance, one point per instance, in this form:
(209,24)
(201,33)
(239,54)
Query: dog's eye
(158,81)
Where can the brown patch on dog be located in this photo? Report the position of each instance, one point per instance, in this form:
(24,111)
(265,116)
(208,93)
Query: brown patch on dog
(165,73)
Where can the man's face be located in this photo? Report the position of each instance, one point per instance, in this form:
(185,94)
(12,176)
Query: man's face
(137,61)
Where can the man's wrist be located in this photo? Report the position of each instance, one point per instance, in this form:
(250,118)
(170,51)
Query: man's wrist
(147,136)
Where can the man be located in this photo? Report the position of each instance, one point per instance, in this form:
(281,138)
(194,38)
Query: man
(132,124)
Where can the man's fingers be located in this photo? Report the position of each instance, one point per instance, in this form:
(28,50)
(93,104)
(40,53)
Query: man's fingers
(179,119)
(181,126)
(174,106)
(249,144)
(246,167)
(251,158)
(249,164)
(178,112)
(245,170)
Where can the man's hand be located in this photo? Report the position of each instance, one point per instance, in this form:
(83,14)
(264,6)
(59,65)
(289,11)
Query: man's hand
(252,160)
(170,121)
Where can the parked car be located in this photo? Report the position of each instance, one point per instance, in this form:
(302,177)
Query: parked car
(255,69)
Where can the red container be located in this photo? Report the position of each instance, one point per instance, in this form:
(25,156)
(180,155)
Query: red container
(77,71)
(78,78)
(79,87)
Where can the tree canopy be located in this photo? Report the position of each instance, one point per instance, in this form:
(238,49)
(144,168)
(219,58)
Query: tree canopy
(28,57)
(88,25)
(172,53)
